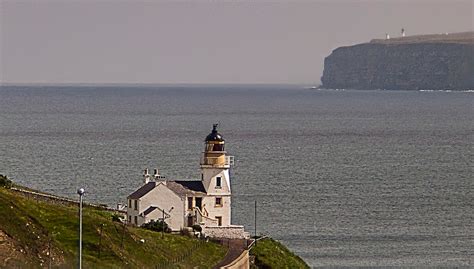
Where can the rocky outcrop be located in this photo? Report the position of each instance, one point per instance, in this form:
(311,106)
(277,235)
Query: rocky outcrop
(434,62)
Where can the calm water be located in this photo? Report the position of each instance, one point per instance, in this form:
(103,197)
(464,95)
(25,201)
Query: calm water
(344,178)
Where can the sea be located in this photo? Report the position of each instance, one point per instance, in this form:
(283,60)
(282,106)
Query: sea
(344,178)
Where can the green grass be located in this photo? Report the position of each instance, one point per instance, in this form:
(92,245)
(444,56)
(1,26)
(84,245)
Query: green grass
(272,254)
(36,224)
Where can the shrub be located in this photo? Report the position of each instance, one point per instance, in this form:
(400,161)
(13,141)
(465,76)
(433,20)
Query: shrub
(185,232)
(116,218)
(5,182)
(197,228)
(157,226)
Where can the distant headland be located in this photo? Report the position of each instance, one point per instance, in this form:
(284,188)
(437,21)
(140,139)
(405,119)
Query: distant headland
(421,62)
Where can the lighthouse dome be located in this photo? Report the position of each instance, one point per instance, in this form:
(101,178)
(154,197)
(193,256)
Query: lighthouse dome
(214,135)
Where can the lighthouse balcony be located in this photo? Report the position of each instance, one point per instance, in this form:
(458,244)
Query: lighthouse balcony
(221,161)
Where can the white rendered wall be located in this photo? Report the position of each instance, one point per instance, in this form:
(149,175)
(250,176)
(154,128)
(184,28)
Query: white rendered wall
(166,199)
(209,181)
(224,211)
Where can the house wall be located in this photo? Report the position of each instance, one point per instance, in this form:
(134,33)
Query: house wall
(164,198)
(224,211)
(132,212)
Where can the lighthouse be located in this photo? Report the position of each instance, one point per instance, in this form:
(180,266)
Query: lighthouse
(185,203)
(215,176)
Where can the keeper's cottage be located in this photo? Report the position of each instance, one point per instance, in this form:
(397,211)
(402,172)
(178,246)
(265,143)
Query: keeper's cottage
(184,203)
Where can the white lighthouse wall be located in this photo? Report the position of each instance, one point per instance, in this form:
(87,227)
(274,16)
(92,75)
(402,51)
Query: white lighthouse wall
(215,210)
(209,181)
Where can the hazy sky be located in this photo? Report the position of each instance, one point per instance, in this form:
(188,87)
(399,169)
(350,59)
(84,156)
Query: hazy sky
(201,41)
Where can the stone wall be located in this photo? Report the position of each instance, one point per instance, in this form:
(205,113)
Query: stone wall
(397,65)
(229,232)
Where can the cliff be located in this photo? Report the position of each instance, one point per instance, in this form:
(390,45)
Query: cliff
(433,62)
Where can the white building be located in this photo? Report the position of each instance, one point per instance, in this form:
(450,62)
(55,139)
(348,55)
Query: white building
(183,203)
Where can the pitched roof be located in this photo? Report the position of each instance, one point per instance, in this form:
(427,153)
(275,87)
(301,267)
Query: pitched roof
(149,210)
(153,208)
(183,187)
(142,190)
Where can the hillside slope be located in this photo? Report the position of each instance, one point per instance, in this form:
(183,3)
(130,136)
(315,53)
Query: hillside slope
(31,229)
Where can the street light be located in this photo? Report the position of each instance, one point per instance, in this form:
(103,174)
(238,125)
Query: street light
(81,193)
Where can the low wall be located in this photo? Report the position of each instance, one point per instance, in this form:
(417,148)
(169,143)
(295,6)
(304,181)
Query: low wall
(229,232)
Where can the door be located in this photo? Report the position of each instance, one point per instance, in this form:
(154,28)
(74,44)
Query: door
(190,221)
(199,202)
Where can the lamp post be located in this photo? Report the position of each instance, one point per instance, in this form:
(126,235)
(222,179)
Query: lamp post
(81,193)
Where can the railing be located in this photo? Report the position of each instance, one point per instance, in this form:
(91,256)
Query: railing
(216,161)
(202,219)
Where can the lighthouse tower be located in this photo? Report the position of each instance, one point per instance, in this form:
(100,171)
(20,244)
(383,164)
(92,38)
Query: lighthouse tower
(215,176)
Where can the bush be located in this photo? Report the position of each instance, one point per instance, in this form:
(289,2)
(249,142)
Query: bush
(185,232)
(157,226)
(5,182)
(197,228)
(116,218)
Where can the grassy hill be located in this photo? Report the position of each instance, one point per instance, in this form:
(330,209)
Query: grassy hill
(31,229)
(272,254)
(37,233)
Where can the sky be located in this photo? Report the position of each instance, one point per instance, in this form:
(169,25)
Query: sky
(202,41)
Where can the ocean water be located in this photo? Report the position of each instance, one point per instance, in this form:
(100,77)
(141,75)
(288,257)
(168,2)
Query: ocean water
(343,178)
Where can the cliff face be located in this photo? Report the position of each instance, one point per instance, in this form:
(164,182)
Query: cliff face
(410,63)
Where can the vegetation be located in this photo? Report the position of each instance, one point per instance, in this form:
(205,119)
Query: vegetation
(31,229)
(157,226)
(5,182)
(272,254)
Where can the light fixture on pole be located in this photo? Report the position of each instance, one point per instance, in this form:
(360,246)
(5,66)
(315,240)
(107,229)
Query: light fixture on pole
(81,193)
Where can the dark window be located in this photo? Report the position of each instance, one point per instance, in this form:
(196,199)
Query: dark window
(218,182)
(136,220)
(190,203)
(136,205)
(218,201)
(198,202)
(218,147)
(129,203)
(129,219)
(219,221)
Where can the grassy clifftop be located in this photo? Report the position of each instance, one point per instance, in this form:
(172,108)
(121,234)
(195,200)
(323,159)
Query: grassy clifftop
(31,229)
(272,254)
(37,233)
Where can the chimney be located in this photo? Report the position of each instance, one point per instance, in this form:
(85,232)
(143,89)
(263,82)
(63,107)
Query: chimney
(156,175)
(146,176)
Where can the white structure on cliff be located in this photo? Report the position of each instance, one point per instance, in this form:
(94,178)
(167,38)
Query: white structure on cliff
(184,203)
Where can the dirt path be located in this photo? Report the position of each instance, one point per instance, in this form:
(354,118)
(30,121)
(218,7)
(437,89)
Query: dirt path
(236,247)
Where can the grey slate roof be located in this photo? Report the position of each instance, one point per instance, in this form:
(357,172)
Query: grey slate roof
(183,187)
(149,210)
(142,190)
(180,187)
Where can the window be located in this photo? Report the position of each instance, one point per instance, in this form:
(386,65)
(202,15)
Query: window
(136,205)
(190,203)
(219,220)
(218,182)
(218,147)
(199,202)
(129,203)
(136,220)
(130,218)
(218,201)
